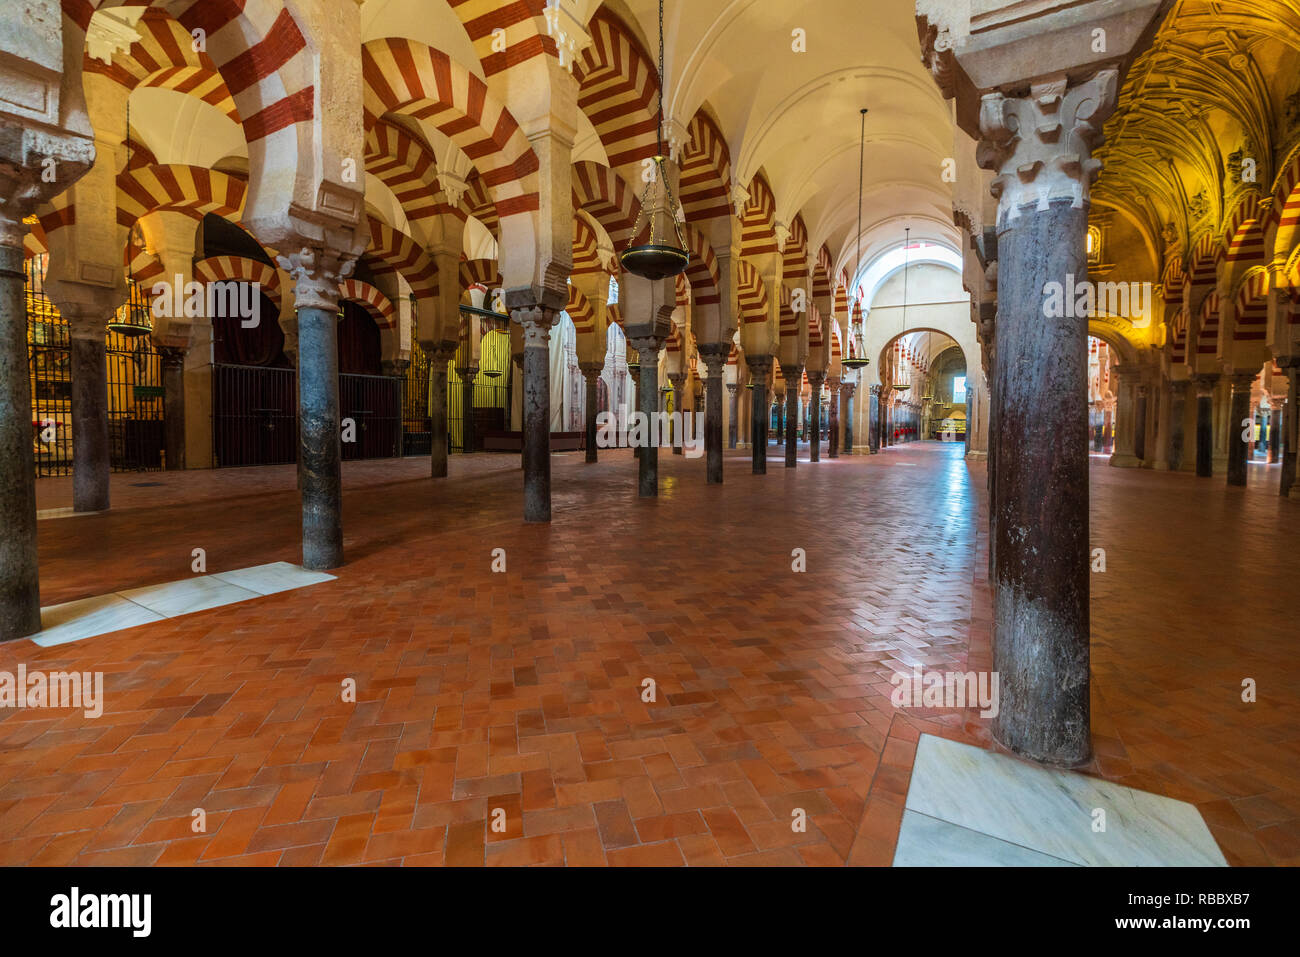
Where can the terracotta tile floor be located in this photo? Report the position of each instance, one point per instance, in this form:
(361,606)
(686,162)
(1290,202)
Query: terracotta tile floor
(522,691)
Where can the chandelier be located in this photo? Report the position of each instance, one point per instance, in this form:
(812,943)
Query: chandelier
(856,354)
(664,252)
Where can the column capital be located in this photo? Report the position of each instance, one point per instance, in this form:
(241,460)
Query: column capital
(316,272)
(537,320)
(1040,146)
(467,373)
(441,352)
(1179,387)
(592,370)
(833,381)
(847,389)
(816,378)
(758,364)
(731,387)
(1242,381)
(1205,383)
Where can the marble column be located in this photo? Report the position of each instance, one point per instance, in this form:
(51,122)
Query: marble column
(1177,415)
(439,357)
(634,372)
(1290,428)
(20,603)
(678,382)
(780,414)
(468,438)
(815,380)
(1205,424)
(1274,434)
(91,465)
(833,412)
(873,419)
(1039,146)
(537,321)
(316,274)
(173,376)
(793,380)
(1125,454)
(1239,413)
(715,361)
(733,422)
(591,373)
(846,395)
(1140,425)
(759,366)
(647,348)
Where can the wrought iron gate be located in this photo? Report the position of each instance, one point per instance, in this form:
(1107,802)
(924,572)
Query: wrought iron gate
(417,427)
(374,404)
(254,416)
(136,407)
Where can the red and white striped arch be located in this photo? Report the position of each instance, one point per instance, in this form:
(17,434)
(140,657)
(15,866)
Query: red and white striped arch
(409,78)
(702,271)
(1201,264)
(586,254)
(706,171)
(164,57)
(407,167)
(372,300)
(750,293)
(617,86)
(1286,208)
(580,311)
(758,222)
(1252,307)
(794,258)
(607,198)
(1207,340)
(141,265)
(239,269)
(478,204)
(1243,233)
(394,252)
(480,272)
(192,190)
(525,32)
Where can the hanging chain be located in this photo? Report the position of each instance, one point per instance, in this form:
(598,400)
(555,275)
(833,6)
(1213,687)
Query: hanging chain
(659,129)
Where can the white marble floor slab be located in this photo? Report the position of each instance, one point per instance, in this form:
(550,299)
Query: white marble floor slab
(1053,812)
(272,578)
(188,595)
(929,842)
(87,617)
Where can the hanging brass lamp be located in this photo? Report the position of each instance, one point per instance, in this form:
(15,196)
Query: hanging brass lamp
(663,252)
(855,356)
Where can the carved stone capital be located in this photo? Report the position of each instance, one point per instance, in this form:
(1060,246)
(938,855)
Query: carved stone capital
(1040,146)
(592,370)
(715,357)
(316,274)
(537,321)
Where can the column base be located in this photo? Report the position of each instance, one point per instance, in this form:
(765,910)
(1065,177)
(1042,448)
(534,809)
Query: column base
(1124,460)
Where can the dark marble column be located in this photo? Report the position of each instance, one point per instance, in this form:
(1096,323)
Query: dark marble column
(780,415)
(648,405)
(20,601)
(1039,146)
(1205,424)
(1290,430)
(833,414)
(846,393)
(793,380)
(537,321)
(591,372)
(715,361)
(173,374)
(815,380)
(1239,412)
(91,467)
(1177,415)
(733,422)
(316,275)
(1140,425)
(439,356)
(873,419)
(1274,435)
(759,366)
(678,382)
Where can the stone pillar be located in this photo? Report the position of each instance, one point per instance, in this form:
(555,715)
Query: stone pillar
(537,321)
(1039,146)
(1125,454)
(759,366)
(846,396)
(173,373)
(1177,414)
(439,356)
(591,372)
(20,602)
(833,425)
(733,422)
(467,433)
(1290,428)
(1205,424)
(1274,434)
(634,372)
(678,382)
(91,467)
(715,361)
(647,348)
(780,414)
(873,419)
(793,380)
(316,274)
(815,380)
(1238,440)
(1140,425)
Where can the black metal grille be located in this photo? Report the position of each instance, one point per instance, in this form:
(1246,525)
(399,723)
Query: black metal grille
(254,416)
(491,393)
(136,408)
(374,404)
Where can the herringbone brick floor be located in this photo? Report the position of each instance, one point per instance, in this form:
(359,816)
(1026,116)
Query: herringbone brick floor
(522,691)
